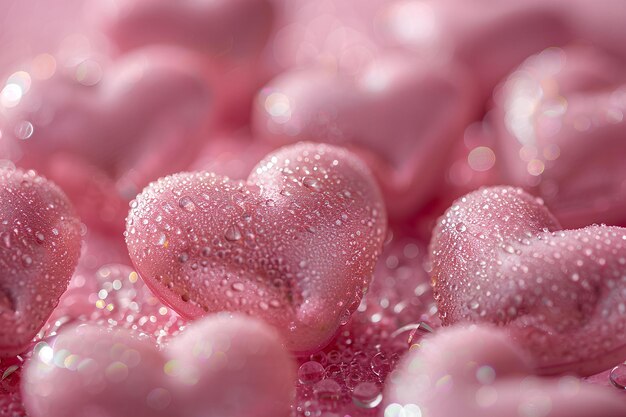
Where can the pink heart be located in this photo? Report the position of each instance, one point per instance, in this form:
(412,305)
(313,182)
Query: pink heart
(105,131)
(295,245)
(479,372)
(422,109)
(39,248)
(499,256)
(227,37)
(219,367)
(560,124)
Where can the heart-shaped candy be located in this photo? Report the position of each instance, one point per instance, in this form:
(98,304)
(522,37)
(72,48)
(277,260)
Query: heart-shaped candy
(39,248)
(479,372)
(227,37)
(104,132)
(295,245)
(219,367)
(422,109)
(560,124)
(499,256)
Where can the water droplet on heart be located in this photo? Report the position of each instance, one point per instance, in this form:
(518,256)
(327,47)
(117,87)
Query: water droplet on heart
(238,286)
(186,203)
(310,372)
(311,183)
(367,395)
(460,227)
(232,234)
(618,376)
(160,239)
(40,237)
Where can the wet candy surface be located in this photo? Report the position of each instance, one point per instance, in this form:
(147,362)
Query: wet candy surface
(296,244)
(39,248)
(499,256)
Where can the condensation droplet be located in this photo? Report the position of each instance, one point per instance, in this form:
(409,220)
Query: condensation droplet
(186,203)
(232,234)
(618,376)
(311,183)
(310,373)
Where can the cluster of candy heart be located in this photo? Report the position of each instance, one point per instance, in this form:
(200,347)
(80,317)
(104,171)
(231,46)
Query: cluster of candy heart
(239,197)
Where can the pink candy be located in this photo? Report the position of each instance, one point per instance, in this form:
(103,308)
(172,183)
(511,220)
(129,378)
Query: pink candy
(418,108)
(219,367)
(103,140)
(274,141)
(296,244)
(478,372)
(499,256)
(560,124)
(39,248)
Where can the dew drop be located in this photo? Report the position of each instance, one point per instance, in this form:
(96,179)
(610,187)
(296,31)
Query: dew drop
(311,183)
(186,203)
(618,376)
(310,373)
(232,234)
(160,239)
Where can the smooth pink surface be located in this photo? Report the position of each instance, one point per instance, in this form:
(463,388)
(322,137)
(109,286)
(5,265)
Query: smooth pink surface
(400,114)
(220,366)
(499,256)
(226,36)
(560,124)
(222,29)
(104,131)
(296,244)
(39,248)
(232,154)
(488,37)
(479,372)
